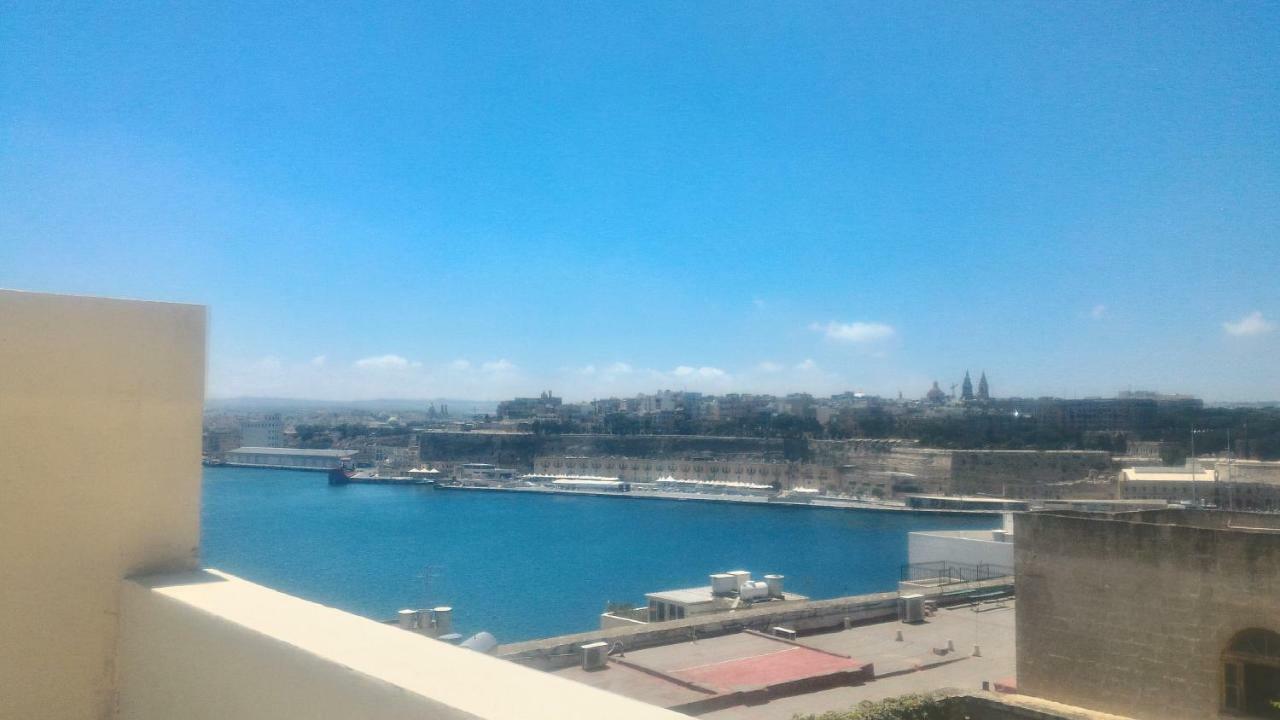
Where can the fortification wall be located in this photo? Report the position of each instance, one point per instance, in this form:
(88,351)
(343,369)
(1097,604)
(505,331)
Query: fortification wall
(884,467)
(990,472)
(518,450)
(514,450)
(1132,617)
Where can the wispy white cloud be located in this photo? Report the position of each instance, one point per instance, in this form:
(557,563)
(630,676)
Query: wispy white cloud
(858,333)
(1098,312)
(685,371)
(384,362)
(1251,324)
(319,361)
(395,376)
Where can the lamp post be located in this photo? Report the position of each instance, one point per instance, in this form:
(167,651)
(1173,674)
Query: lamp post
(1195,494)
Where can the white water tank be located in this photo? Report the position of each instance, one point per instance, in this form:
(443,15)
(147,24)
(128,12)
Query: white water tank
(775,585)
(407,619)
(723,584)
(443,617)
(754,590)
(740,577)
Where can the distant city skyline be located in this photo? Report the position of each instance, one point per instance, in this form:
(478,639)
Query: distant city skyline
(461,200)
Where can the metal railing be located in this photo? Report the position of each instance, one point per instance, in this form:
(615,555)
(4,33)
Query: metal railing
(945,572)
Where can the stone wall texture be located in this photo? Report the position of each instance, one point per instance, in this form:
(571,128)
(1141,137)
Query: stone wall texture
(518,450)
(1130,615)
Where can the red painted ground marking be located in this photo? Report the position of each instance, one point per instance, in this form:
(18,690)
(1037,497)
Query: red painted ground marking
(770,669)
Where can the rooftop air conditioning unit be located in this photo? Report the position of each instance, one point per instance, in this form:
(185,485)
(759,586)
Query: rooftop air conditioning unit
(911,608)
(723,584)
(595,655)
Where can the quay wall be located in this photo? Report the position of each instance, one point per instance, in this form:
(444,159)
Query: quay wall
(804,617)
(884,468)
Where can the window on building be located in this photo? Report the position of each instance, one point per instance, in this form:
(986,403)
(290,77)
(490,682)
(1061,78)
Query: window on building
(1251,674)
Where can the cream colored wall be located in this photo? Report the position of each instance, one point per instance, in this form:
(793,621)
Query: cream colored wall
(210,646)
(100,404)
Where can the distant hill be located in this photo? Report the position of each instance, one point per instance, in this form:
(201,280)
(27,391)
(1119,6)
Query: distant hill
(263,404)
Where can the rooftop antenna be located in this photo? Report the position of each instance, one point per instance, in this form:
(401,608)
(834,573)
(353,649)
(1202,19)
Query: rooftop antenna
(429,573)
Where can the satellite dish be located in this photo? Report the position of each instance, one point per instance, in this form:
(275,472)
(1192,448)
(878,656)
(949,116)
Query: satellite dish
(482,642)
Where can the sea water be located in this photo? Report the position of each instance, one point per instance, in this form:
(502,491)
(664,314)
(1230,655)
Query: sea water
(524,566)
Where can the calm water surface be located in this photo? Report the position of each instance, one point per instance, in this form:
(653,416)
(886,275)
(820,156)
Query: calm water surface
(527,566)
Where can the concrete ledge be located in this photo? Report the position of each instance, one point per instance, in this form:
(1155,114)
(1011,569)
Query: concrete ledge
(209,645)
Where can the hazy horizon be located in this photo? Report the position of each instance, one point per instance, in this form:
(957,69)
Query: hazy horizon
(494,200)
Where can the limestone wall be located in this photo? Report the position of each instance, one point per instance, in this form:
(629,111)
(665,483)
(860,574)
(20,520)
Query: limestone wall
(518,450)
(1249,471)
(513,450)
(100,404)
(890,466)
(1132,617)
(994,472)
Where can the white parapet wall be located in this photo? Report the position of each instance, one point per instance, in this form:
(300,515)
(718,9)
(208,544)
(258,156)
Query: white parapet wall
(970,547)
(100,404)
(211,646)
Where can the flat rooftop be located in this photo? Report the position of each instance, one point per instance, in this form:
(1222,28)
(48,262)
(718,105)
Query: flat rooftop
(293,451)
(699,671)
(695,595)
(966,534)
(726,671)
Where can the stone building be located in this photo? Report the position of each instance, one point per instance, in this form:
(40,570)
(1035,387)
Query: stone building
(266,431)
(628,469)
(1155,615)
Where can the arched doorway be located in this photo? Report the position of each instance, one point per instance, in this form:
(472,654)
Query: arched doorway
(1251,674)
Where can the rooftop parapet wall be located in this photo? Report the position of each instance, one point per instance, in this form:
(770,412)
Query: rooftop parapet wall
(1130,614)
(211,646)
(100,411)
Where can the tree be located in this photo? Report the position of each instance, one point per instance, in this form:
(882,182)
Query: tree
(905,707)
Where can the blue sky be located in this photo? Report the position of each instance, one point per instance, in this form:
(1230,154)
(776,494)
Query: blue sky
(477,200)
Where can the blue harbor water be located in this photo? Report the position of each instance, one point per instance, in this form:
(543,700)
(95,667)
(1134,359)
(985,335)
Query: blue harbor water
(527,566)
